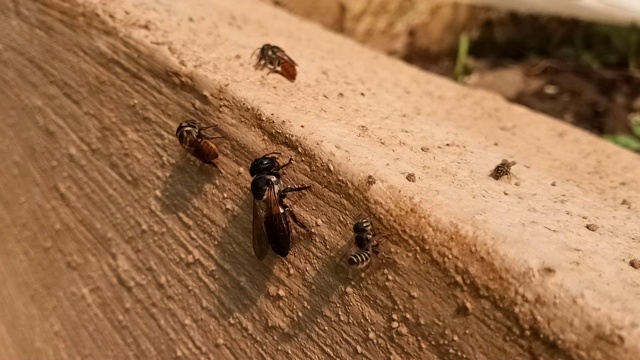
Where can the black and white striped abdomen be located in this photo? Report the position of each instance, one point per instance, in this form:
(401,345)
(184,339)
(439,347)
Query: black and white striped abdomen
(360,259)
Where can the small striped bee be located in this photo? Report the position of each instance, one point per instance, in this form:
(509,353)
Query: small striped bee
(274,58)
(502,169)
(365,244)
(192,137)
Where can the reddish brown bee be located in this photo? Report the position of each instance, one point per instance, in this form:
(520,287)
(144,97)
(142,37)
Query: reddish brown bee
(274,58)
(192,137)
(502,169)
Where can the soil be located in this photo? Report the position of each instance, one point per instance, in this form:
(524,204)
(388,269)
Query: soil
(598,100)
(117,244)
(572,70)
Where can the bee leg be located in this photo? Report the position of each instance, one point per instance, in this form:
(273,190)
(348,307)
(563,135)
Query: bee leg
(203,128)
(282,167)
(383,257)
(284,191)
(293,217)
(215,166)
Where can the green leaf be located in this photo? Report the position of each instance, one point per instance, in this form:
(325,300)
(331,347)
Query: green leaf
(635,124)
(628,141)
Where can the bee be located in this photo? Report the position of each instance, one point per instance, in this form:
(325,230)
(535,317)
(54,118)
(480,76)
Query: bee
(502,169)
(365,244)
(271,216)
(192,137)
(274,58)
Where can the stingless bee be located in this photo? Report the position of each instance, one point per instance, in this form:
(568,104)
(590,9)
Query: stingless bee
(502,169)
(365,244)
(192,137)
(274,58)
(271,225)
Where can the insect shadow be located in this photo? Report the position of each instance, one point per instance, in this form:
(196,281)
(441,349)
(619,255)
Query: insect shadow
(241,278)
(185,182)
(325,284)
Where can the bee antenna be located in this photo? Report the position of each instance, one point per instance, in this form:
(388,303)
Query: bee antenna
(254,52)
(271,153)
(363,216)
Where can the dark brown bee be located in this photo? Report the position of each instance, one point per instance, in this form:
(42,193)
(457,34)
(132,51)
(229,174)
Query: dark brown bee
(364,245)
(274,58)
(192,137)
(502,169)
(271,226)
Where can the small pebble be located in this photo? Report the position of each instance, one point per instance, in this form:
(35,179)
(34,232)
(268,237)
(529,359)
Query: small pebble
(281,293)
(394,316)
(553,183)
(517,183)
(394,325)
(424,149)
(465,308)
(330,167)
(592,227)
(219,342)
(349,290)
(411,177)
(318,222)
(506,192)
(372,335)
(272,291)
(190,259)
(414,294)
(359,349)
(635,263)
(403,330)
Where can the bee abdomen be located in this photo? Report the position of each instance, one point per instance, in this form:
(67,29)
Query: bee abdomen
(288,70)
(205,150)
(360,258)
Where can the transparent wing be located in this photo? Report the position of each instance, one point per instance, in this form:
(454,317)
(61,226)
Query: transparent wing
(348,248)
(283,56)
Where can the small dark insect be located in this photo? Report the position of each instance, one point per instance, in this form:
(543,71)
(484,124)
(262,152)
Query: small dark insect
(274,58)
(271,226)
(502,169)
(192,137)
(359,255)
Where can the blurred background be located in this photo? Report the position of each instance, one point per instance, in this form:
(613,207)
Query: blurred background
(575,60)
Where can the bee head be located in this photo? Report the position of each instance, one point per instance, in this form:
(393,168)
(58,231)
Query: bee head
(263,165)
(189,125)
(362,226)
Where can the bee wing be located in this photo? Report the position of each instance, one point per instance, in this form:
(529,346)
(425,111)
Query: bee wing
(260,242)
(350,249)
(283,56)
(276,224)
